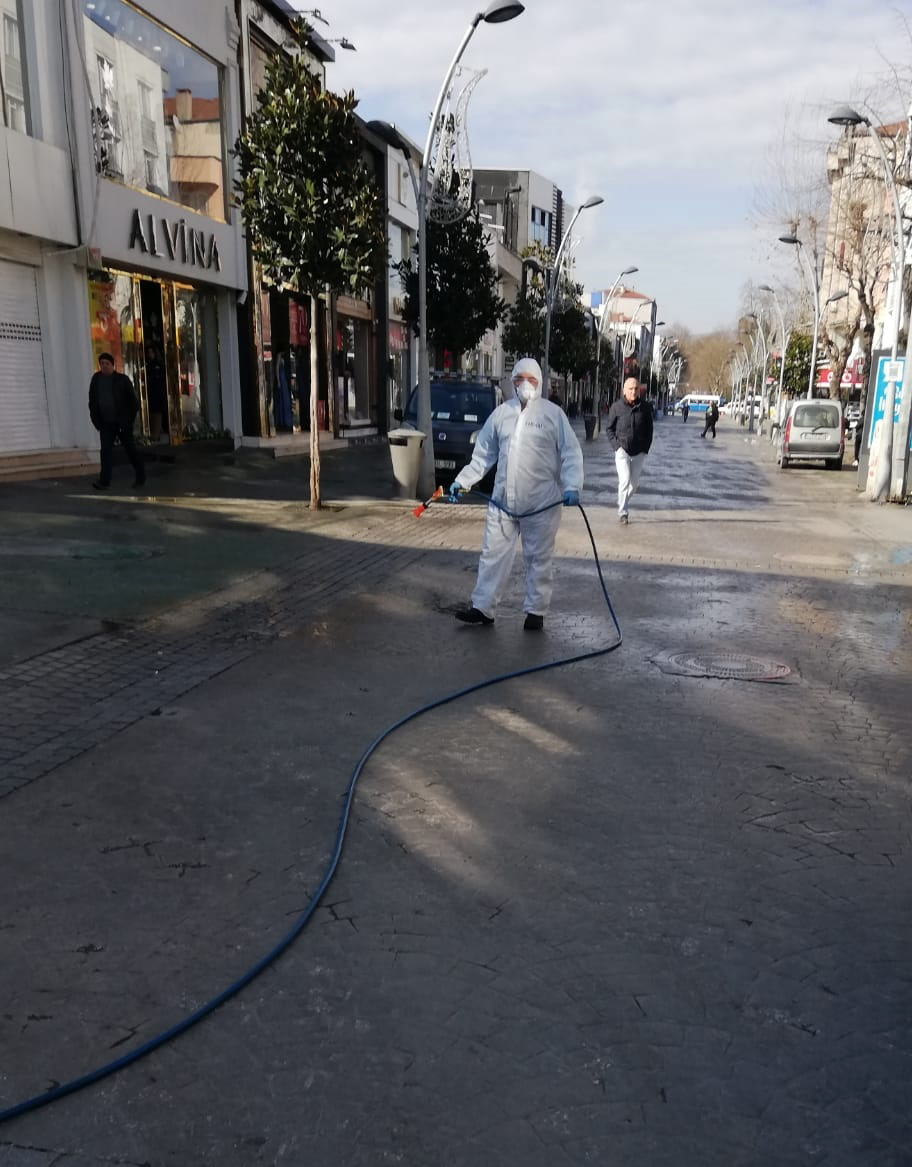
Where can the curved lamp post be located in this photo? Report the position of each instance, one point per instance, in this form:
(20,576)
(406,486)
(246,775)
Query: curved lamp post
(630,342)
(628,271)
(761,413)
(814,283)
(744,379)
(785,340)
(554,280)
(888,466)
(497,13)
(818,308)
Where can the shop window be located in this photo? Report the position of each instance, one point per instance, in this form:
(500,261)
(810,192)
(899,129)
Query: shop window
(12,71)
(157,108)
(198,358)
(354,359)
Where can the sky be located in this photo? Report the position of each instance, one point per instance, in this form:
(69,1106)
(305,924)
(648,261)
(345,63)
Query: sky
(674,112)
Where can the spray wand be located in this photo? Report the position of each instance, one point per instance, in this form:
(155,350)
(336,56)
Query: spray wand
(419,510)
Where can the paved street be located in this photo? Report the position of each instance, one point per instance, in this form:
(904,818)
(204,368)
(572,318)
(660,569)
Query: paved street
(605,914)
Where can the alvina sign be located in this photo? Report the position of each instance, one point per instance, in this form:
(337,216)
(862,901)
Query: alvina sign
(180,242)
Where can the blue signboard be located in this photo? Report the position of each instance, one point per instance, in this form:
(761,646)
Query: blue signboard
(880,395)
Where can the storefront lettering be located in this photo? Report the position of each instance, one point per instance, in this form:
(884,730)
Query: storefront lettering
(181,242)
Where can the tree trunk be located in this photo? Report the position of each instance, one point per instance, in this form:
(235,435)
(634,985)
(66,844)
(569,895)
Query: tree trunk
(837,368)
(315,499)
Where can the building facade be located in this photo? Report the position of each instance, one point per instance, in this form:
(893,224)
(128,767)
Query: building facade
(43,420)
(525,214)
(402,240)
(627,324)
(155,110)
(119,234)
(860,225)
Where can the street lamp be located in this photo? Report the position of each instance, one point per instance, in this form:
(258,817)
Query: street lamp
(553,281)
(785,340)
(628,271)
(818,308)
(496,13)
(629,342)
(888,454)
(764,409)
(814,279)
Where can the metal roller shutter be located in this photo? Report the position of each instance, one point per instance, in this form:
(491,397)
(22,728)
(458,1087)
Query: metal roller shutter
(24,423)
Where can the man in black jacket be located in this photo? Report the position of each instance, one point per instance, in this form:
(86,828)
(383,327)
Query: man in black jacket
(629,431)
(113,408)
(712,416)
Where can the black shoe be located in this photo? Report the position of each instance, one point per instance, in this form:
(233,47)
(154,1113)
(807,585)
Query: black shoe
(99,485)
(473,616)
(534,623)
(624,519)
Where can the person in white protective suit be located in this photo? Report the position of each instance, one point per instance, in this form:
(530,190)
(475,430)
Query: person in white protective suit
(539,463)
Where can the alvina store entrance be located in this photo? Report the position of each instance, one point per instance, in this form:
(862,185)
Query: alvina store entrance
(164,336)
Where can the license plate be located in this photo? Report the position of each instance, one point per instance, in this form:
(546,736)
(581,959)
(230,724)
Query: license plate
(444,464)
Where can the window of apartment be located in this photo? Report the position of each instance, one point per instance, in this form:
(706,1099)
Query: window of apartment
(157,108)
(540,229)
(13,89)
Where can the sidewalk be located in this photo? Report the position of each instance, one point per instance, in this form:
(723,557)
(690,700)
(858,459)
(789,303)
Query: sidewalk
(603,914)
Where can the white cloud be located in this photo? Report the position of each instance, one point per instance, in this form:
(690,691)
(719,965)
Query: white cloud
(668,110)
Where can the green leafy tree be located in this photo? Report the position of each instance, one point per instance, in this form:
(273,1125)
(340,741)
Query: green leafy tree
(572,344)
(797,364)
(313,213)
(524,329)
(462,299)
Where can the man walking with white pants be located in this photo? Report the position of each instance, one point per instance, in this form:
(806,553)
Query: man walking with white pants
(629,431)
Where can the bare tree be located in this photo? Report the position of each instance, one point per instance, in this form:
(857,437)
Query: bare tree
(797,200)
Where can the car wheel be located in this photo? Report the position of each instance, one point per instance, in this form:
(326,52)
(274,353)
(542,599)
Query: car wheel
(783,462)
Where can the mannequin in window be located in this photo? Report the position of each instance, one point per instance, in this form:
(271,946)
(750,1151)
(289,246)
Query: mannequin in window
(157,393)
(281,402)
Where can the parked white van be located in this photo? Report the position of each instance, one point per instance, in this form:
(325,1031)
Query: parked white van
(814,432)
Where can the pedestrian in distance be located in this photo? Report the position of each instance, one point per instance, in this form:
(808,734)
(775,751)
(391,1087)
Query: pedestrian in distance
(685,410)
(712,416)
(113,407)
(629,430)
(539,465)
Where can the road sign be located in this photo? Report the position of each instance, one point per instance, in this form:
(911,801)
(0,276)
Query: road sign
(887,371)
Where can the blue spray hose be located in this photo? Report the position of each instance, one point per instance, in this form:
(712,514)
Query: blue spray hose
(197,1015)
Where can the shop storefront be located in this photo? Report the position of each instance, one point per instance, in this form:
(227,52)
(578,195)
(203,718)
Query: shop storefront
(355,366)
(400,375)
(164,335)
(285,331)
(167,262)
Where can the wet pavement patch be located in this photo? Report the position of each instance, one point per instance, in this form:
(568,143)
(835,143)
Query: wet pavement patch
(726,666)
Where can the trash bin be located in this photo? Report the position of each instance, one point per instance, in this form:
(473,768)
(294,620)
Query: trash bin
(590,422)
(405,452)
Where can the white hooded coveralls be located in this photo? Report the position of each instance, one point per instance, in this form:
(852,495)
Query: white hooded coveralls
(538,458)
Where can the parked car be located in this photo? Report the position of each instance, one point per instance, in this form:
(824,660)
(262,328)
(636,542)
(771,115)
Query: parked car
(814,432)
(459,408)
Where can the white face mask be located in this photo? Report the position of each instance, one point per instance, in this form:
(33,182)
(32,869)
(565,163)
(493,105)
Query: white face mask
(526,392)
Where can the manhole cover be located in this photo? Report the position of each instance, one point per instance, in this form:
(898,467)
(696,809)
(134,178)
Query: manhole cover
(728,666)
